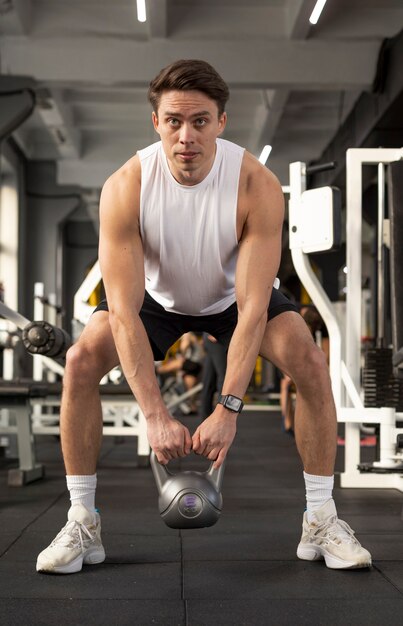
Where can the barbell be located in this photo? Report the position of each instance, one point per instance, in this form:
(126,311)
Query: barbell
(39,337)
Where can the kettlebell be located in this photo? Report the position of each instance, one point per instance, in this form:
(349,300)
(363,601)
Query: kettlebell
(188,499)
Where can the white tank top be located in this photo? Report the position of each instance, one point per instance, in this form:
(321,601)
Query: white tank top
(189,232)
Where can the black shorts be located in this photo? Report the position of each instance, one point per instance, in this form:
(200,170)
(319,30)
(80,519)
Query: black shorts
(164,328)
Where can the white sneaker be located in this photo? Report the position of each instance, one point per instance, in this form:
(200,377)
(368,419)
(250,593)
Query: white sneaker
(77,543)
(329,538)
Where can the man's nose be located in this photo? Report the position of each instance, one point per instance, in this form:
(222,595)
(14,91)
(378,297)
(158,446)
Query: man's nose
(186,133)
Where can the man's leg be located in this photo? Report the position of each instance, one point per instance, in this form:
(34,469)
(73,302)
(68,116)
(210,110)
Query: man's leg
(81,432)
(93,356)
(287,342)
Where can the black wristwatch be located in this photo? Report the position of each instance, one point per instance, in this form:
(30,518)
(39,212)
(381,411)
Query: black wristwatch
(232,403)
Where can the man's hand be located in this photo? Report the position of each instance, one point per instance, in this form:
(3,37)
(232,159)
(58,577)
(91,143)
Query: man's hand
(214,436)
(168,438)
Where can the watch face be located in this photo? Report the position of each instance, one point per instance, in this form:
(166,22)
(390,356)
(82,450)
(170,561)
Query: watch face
(233,403)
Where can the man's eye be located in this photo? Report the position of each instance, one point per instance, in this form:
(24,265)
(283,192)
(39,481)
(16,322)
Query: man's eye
(200,122)
(173,121)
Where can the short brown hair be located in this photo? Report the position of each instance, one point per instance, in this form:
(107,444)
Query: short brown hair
(186,75)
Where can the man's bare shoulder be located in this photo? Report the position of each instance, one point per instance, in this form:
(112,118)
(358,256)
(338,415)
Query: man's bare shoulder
(257,178)
(124,184)
(260,193)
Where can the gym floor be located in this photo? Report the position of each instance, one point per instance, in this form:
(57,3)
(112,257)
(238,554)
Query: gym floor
(242,571)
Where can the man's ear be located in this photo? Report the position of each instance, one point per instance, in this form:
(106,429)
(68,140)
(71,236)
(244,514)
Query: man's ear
(155,121)
(222,122)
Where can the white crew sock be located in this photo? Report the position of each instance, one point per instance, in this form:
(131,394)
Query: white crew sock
(318,492)
(82,490)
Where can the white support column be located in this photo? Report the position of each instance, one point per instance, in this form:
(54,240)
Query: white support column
(308,277)
(8,364)
(39,290)
(51,317)
(38,315)
(351,448)
(354,267)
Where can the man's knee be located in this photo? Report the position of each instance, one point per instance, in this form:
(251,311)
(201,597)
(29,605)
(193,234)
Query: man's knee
(311,367)
(84,365)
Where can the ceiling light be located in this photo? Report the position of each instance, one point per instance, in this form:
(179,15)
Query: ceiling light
(317,11)
(141,10)
(265,154)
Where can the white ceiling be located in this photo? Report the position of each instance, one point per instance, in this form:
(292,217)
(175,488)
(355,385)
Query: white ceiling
(292,84)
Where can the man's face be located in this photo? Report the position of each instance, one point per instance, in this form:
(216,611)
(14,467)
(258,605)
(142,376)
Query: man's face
(188,124)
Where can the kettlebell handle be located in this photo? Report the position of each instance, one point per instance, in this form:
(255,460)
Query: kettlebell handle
(216,475)
(161,473)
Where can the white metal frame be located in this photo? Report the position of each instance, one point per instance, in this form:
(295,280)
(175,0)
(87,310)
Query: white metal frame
(345,376)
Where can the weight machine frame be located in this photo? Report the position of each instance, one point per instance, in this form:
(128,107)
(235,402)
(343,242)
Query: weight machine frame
(345,374)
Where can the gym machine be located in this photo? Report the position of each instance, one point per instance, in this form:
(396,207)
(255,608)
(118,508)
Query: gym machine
(18,397)
(313,228)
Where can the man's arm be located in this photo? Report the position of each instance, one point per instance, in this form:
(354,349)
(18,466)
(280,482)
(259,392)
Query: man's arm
(122,265)
(257,266)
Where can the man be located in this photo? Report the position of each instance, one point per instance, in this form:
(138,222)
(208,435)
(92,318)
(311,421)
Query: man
(187,362)
(190,240)
(214,366)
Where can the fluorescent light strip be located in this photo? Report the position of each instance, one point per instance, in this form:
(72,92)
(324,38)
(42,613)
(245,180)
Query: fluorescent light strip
(265,154)
(317,11)
(141,10)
